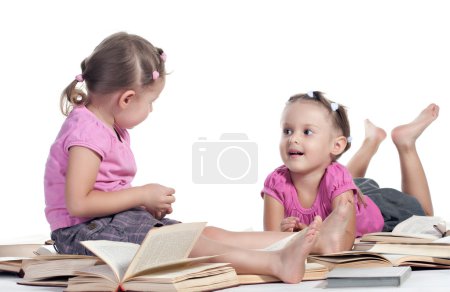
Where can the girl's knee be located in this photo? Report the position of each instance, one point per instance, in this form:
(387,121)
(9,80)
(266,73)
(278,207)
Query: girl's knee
(214,232)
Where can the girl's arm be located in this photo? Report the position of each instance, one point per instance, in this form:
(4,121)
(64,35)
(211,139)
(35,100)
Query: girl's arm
(274,216)
(83,201)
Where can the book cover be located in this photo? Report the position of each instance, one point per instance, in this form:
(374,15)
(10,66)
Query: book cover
(367,277)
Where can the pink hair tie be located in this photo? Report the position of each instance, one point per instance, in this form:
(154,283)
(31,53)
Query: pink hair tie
(79,78)
(163,56)
(155,75)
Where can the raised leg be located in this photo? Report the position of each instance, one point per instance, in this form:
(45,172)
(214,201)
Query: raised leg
(338,230)
(359,163)
(414,180)
(287,264)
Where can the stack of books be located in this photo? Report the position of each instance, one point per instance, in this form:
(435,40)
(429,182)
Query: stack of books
(160,263)
(158,266)
(420,241)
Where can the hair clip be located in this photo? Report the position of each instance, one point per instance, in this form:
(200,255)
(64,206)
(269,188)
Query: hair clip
(334,106)
(155,75)
(310,94)
(79,78)
(349,139)
(163,56)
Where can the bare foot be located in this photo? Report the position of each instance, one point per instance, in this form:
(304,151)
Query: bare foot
(291,267)
(335,235)
(373,135)
(405,136)
(359,163)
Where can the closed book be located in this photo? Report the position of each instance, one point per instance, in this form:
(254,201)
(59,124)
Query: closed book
(367,277)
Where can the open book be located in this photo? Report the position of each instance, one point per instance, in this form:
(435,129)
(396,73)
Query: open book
(363,259)
(160,263)
(38,262)
(55,269)
(313,271)
(11,256)
(11,264)
(416,229)
(433,249)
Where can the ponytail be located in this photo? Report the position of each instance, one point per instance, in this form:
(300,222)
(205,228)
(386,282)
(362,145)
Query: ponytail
(71,96)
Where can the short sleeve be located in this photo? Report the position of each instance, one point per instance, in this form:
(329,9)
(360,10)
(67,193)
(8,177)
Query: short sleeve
(275,184)
(337,180)
(86,132)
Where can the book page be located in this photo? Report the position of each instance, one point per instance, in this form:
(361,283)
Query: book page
(281,243)
(11,265)
(61,256)
(165,244)
(420,225)
(417,261)
(177,274)
(117,255)
(39,269)
(46,250)
(430,249)
(8,259)
(103,271)
(18,250)
(399,237)
(443,240)
(313,271)
(208,280)
(397,259)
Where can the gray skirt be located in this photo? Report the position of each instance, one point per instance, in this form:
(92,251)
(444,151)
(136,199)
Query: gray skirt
(394,205)
(128,226)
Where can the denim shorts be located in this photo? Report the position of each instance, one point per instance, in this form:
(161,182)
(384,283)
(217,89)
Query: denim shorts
(128,226)
(394,205)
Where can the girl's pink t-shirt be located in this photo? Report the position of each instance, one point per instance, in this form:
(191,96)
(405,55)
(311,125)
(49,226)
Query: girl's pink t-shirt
(335,181)
(117,167)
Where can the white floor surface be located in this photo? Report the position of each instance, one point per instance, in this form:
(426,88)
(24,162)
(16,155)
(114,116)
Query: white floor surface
(423,280)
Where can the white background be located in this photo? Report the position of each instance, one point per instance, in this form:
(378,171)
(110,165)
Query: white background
(233,64)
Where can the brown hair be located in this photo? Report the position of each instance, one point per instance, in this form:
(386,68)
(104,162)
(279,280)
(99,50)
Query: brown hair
(121,61)
(339,117)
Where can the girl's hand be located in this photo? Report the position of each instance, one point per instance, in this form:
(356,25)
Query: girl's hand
(158,214)
(157,199)
(300,226)
(289,224)
(161,214)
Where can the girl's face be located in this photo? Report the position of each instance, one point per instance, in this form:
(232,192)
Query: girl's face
(141,105)
(307,137)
